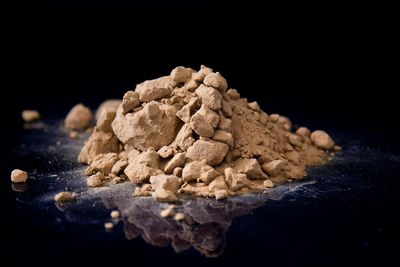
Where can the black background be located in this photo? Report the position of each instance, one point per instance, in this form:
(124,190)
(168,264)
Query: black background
(324,67)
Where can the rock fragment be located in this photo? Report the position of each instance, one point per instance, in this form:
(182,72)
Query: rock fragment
(235,179)
(211,151)
(95,180)
(78,118)
(250,167)
(104,162)
(156,125)
(198,171)
(273,168)
(165,187)
(322,140)
(130,101)
(209,96)
(63,197)
(154,89)
(19,176)
(217,81)
(177,161)
(30,115)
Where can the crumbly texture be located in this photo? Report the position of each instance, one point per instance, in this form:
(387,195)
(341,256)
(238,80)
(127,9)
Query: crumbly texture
(188,133)
(30,115)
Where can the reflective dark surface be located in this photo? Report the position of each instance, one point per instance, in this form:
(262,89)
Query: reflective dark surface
(344,211)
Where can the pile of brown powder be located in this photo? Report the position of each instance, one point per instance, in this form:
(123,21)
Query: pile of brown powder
(188,133)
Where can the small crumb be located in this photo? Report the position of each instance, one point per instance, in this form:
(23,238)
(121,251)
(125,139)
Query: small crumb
(115,214)
(73,134)
(30,115)
(268,183)
(19,176)
(168,212)
(109,226)
(179,216)
(117,180)
(63,197)
(95,180)
(337,148)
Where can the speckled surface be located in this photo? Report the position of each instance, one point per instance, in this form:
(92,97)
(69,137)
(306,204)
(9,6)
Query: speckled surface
(337,204)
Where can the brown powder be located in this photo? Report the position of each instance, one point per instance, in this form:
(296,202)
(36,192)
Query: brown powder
(188,133)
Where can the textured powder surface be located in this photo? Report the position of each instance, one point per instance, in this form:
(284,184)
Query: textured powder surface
(188,133)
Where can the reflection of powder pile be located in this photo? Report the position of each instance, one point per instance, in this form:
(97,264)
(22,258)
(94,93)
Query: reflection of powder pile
(187,133)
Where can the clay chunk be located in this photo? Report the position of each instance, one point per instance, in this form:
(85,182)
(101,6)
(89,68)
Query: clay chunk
(19,176)
(177,161)
(322,140)
(250,167)
(198,171)
(274,167)
(235,179)
(104,162)
(154,89)
(212,152)
(201,126)
(184,138)
(98,143)
(63,197)
(130,101)
(109,104)
(223,137)
(78,118)
(30,115)
(156,125)
(180,75)
(209,96)
(217,81)
(165,187)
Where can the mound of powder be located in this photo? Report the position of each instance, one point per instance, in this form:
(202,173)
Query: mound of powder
(188,133)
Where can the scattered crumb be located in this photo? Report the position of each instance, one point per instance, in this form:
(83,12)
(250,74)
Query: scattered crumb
(109,226)
(95,180)
(179,216)
(63,197)
(168,212)
(30,115)
(73,134)
(19,176)
(337,148)
(115,214)
(268,183)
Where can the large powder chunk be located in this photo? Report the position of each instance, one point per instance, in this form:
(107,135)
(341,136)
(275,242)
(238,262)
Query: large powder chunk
(212,152)
(156,125)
